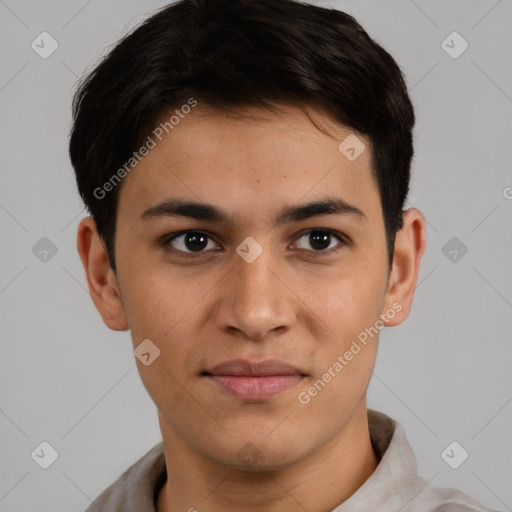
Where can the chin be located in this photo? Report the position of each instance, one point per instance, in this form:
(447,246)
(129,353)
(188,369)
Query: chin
(257,455)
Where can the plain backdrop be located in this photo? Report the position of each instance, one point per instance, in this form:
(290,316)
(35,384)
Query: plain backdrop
(65,379)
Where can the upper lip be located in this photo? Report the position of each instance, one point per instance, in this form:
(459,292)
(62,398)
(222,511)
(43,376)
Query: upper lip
(258,368)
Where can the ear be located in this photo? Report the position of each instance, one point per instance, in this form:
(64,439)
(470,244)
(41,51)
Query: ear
(410,244)
(100,277)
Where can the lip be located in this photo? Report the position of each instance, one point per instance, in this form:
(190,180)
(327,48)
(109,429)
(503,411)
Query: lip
(244,367)
(254,380)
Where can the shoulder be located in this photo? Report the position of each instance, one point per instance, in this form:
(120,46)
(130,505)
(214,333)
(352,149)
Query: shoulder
(134,490)
(444,499)
(396,483)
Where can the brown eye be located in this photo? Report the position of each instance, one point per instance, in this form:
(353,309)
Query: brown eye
(320,240)
(190,243)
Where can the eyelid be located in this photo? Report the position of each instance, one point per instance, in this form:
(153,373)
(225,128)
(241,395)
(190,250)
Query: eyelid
(343,240)
(167,239)
(340,236)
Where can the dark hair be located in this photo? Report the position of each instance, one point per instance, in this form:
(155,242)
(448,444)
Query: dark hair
(235,53)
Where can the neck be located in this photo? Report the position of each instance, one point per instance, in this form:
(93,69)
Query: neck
(321,481)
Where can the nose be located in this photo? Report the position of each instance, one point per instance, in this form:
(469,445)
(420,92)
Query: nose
(256,301)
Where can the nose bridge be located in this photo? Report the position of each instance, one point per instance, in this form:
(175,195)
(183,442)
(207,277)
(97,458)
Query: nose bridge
(256,301)
(255,283)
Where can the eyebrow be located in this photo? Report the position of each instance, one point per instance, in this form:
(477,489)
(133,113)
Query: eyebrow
(209,212)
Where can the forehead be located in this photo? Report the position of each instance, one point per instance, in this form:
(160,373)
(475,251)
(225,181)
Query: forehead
(253,159)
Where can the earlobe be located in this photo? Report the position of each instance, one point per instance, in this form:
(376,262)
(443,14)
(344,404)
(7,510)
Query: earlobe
(410,245)
(101,279)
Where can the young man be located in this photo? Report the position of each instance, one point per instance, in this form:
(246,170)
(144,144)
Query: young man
(246,164)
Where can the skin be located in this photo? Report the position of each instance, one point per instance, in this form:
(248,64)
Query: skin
(287,304)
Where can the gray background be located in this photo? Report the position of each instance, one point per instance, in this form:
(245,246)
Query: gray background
(444,373)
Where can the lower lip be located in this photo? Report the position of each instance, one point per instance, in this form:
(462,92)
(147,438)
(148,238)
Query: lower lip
(255,388)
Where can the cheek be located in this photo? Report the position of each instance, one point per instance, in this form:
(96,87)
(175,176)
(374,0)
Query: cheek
(347,354)
(349,311)
(165,312)
(348,301)
(158,300)
(169,310)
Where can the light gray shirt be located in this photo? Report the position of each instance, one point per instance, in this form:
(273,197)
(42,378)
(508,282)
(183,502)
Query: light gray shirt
(393,487)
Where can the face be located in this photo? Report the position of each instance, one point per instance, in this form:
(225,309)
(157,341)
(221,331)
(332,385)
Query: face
(263,267)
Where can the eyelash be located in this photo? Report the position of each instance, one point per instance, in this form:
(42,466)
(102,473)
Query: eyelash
(166,242)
